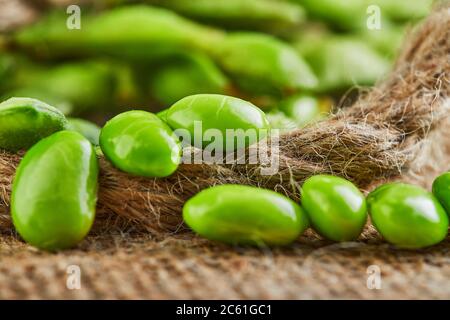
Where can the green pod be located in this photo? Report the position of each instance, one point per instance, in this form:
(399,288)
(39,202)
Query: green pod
(54,192)
(262,59)
(122,32)
(140,143)
(341,62)
(341,14)
(73,88)
(386,41)
(7,69)
(407,216)
(259,14)
(237,214)
(88,129)
(403,10)
(336,208)
(441,190)
(25,121)
(236,122)
(186,75)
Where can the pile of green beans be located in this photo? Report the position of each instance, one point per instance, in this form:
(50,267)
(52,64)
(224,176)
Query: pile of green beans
(55,189)
(154,53)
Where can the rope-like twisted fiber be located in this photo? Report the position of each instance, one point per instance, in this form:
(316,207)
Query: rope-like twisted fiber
(375,138)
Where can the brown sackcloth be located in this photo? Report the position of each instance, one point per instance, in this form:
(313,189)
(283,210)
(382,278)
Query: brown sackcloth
(397,131)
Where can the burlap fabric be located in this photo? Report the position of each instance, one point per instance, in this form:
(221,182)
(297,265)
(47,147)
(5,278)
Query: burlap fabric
(123,261)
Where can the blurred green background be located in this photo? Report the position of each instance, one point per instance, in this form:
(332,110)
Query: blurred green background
(295,59)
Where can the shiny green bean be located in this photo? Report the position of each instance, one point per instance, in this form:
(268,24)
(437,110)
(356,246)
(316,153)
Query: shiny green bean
(54,192)
(407,216)
(25,121)
(236,214)
(140,143)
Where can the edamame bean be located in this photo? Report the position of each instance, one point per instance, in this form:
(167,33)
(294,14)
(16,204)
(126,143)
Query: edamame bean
(336,208)
(140,143)
(407,216)
(88,129)
(25,121)
(441,190)
(219,112)
(236,214)
(55,191)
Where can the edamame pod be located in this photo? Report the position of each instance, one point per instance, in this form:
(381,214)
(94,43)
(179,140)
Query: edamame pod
(341,62)
(407,216)
(265,14)
(140,143)
(206,116)
(441,190)
(187,75)
(126,30)
(122,31)
(88,129)
(336,208)
(264,60)
(25,121)
(55,191)
(236,214)
(71,87)
(342,14)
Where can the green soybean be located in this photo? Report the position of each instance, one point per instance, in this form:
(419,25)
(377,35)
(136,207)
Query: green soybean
(140,143)
(25,121)
(88,129)
(236,214)
(407,216)
(336,208)
(219,113)
(441,190)
(54,192)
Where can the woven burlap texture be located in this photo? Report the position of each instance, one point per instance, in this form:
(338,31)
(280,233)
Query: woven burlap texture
(125,262)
